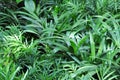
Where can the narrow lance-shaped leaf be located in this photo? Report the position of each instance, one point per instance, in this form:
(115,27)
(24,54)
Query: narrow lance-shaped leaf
(83,69)
(74,46)
(13,75)
(92,45)
(101,46)
(82,41)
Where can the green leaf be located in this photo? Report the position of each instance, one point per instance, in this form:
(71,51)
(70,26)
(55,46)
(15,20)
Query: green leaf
(92,45)
(74,46)
(18,1)
(108,75)
(30,5)
(83,69)
(13,74)
(25,75)
(101,46)
(74,58)
(83,39)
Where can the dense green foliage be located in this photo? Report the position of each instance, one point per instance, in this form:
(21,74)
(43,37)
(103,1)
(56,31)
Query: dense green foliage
(60,40)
